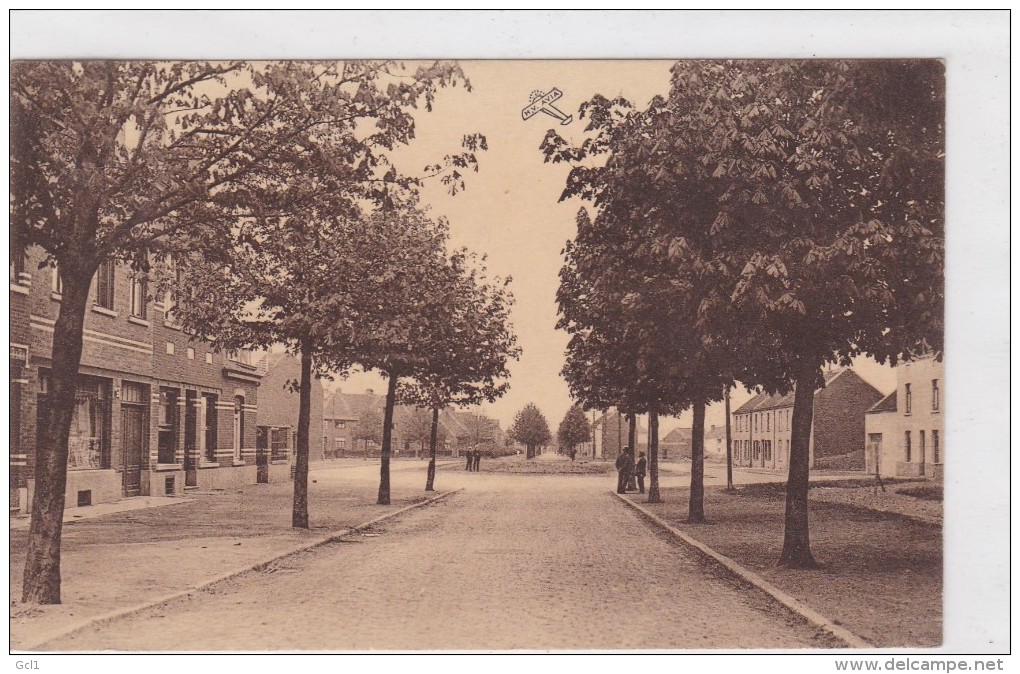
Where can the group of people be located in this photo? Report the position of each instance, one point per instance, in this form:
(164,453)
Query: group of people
(626,468)
(474,459)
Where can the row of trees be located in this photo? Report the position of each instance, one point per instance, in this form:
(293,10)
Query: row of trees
(263,194)
(761,220)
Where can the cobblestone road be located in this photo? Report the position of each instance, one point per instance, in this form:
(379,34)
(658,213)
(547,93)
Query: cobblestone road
(512,562)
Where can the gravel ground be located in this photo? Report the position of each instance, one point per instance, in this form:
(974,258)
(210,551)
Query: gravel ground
(513,562)
(881,575)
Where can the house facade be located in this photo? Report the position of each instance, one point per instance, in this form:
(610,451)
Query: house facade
(279,405)
(761,427)
(676,445)
(609,434)
(715,443)
(156,411)
(348,417)
(905,432)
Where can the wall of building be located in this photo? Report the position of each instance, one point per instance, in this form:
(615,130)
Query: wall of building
(924,422)
(122,350)
(279,403)
(839,414)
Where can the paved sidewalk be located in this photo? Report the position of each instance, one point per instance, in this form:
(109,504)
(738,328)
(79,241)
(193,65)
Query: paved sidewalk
(90,512)
(123,554)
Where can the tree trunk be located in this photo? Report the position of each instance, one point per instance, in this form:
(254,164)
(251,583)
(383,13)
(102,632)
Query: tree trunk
(729,443)
(796,542)
(632,443)
(653,458)
(696,506)
(42,566)
(299,513)
(430,481)
(387,438)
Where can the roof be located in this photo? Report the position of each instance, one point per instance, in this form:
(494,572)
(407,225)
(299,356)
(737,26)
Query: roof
(886,404)
(766,401)
(678,435)
(716,432)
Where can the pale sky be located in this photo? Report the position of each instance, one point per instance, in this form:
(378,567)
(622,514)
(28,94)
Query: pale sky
(510,209)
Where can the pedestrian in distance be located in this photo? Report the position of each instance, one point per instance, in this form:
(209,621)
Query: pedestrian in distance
(623,475)
(639,472)
(478,460)
(470,459)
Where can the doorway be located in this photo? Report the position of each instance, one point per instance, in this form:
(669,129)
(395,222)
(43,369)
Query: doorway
(191,439)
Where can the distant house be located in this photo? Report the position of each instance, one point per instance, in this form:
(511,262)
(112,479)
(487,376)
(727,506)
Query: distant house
(761,426)
(715,443)
(609,434)
(905,429)
(344,412)
(676,444)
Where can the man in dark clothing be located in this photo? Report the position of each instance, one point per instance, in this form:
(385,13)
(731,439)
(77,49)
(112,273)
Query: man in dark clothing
(639,472)
(470,459)
(623,475)
(478,460)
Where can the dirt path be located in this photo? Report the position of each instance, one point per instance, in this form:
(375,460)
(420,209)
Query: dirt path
(511,563)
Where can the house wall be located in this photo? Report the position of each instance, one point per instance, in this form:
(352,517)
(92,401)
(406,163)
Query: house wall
(925,416)
(119,349)
(839,411)
(279,405)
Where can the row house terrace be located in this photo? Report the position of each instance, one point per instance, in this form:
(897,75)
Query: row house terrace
(157,411)
(761,429)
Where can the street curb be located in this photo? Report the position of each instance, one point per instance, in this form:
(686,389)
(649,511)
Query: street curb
(810,615)
(257,566)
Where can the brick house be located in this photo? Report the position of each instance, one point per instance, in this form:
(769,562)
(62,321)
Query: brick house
(609,434)
(761,427)
(279,405)
(343,411)
(676,444)
(157,411)
(905,429)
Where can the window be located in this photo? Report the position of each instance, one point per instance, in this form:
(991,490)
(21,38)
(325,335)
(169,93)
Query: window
(921,444)
(906,446)
(755,422)
(278,447)
(139,298)
(341,424)
(104,284)
(167,425)
(17,266)
(935,456)
(210,421)
(240,356)
(89,441)
(934,395)
(341,444)
(907,399)
(56,283)
(238,426)
(768,450)
(768,421)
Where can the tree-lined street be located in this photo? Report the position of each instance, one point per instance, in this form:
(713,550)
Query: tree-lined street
(512,562)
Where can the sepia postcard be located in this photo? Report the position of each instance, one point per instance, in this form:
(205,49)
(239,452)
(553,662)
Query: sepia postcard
(435,349)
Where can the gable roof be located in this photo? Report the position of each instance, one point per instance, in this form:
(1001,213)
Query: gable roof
(886,404)
(716,432)
(678,435)
(766,401)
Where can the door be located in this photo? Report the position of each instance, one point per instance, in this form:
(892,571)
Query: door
(875,453)
(191,439)
(133,444)
(262,465)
